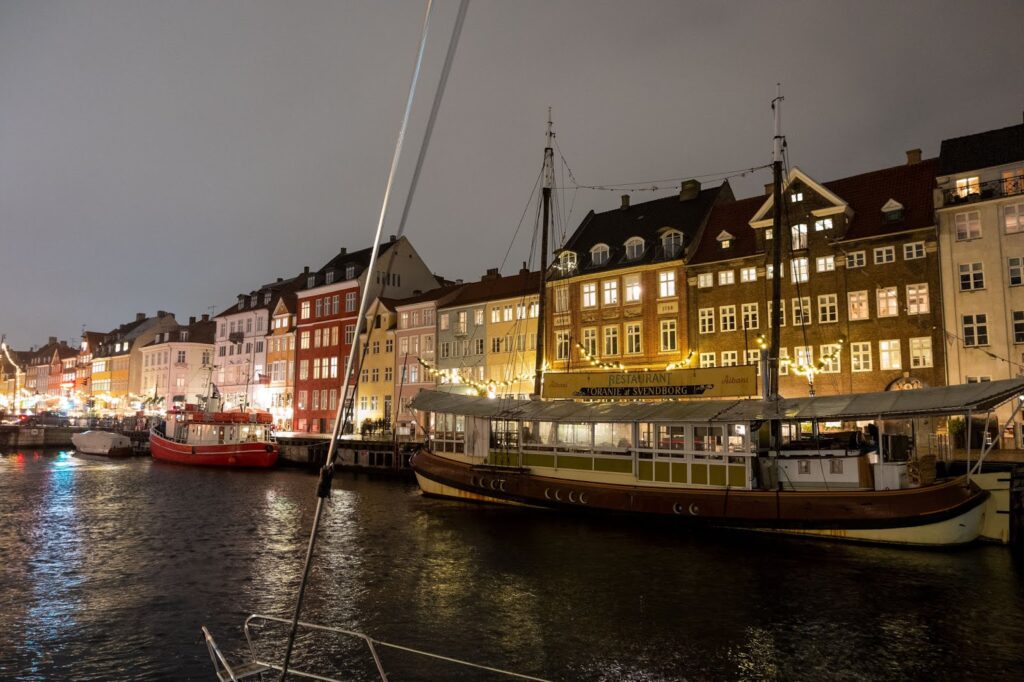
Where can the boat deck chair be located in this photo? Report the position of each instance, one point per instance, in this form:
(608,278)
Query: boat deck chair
(227,672)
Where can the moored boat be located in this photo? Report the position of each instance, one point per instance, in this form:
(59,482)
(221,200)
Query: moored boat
(102,443)
(211,438)
(709,463)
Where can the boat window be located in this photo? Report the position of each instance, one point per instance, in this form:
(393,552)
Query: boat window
(737,437)
(576,436)
(613,435)
(505,434)
(707,438)
(648,431)
(672,437)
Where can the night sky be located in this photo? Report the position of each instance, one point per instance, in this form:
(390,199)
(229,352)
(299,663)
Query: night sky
(172,154)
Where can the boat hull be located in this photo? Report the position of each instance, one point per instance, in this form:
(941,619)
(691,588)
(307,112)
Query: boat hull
(102,444)
(241,455)
(945,514)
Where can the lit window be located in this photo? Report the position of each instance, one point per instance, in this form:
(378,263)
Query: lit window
(800,270)
(748,274)
(858,305)
(885,254)
(799,233)
(968,225)
(610,289)
(634,248)
(770,269)
(633,339)
(707,359)
(831,360)
(857,259)
(972,276)
(921,352)
(730,358)
(822,224)
(631,284)
(567,261)
(611,341)
(561,303)
(350,301)
(888,303)
(824,263)
(726,277)
(599,255)
(860,356)
(967,186)
(803,355)
(589,341)
(917,299)
(727,314)
(889,354)
(562,345)
(666,283)
(782,314)
(753,357)
(443,322)
(768,234)
(304,310)
(801,311)
(705,280)
(975,328)
(796,197)
(589,294)
(1013,218)
(913,251)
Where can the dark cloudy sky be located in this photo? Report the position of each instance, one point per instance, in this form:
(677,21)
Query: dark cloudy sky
(174,153)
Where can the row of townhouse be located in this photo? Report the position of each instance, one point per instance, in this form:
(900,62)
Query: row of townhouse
(899,278)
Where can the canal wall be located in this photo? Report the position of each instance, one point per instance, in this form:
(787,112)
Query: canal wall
(15,437)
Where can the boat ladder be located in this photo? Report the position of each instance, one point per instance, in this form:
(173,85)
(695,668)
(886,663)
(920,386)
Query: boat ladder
(255,666)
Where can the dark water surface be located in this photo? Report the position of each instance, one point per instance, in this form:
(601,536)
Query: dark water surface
(108,569)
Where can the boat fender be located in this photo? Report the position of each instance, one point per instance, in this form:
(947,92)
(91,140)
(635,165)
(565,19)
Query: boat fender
(571,493)
(193,449)
(270,448)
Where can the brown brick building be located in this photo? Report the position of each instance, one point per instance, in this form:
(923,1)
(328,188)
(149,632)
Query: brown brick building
(860,290)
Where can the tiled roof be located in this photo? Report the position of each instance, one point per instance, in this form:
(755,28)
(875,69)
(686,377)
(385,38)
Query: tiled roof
(910,185)
(982,150)
(645,220)
(276,289)
(432,295)
(522,284)
(360,259)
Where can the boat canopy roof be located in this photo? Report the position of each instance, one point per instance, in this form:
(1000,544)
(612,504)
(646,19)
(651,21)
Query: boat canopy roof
(947,400)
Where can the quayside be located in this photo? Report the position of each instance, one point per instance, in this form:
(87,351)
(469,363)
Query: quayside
(710,462)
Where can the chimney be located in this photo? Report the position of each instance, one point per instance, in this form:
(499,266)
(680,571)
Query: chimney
(913,157)
(206,318)
(689,189)
(769,189)
(524,270)
(625,202)
(343,251)
(492,273)
(139,317)
(458,281)
(280,279)
(53,341)
(161,313)
(305,270)
(191,320)
(392,238)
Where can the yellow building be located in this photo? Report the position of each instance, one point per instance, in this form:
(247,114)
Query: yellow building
(512,342)
(376,355)
(281,362)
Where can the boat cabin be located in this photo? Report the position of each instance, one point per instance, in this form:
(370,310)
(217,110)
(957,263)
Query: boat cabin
(197,427)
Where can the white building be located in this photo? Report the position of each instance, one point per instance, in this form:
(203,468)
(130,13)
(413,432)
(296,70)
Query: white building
(980,210)
(177,365)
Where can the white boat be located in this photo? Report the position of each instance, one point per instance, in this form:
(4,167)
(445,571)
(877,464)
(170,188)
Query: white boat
(102,443)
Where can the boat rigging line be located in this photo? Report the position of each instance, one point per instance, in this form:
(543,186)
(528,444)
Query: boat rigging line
(327,471)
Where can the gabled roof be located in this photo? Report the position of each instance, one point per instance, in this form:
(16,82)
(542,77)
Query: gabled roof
(65,351)
(359,259)
(646,220)
(93,339)
(522,284)
(432,295)
(864,194)
(276,289)
(982,150)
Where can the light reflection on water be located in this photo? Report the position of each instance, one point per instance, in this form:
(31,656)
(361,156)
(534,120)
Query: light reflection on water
(109,568)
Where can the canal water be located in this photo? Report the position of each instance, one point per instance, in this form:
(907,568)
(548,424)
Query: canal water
(110,568)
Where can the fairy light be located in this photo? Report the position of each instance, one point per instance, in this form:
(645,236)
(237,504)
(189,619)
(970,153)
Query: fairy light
(486,387)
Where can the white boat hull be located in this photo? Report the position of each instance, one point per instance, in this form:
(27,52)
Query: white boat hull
(102,443)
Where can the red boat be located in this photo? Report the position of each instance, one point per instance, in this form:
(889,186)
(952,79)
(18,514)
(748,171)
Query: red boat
(222,439)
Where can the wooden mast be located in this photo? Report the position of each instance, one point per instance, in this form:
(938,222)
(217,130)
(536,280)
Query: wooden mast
(771,384)
(549,181)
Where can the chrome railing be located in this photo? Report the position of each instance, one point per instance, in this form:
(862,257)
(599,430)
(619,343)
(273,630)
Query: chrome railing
(991,189)
(256,664)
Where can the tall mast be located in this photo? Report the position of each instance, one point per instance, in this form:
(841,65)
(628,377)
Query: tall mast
(549,183)
(771,383)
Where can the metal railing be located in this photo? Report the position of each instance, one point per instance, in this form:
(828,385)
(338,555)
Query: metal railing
(991,189)
(255,665)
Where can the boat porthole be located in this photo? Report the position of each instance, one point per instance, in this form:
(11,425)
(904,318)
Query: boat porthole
(676,509)
(558,495)
(494,485)
(571,493)
(547,493)
(583,498)
(694,509)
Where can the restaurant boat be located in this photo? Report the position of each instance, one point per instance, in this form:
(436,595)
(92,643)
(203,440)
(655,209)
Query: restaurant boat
(213,438)
(709,462)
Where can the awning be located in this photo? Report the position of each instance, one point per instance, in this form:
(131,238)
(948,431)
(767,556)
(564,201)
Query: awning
(947,400)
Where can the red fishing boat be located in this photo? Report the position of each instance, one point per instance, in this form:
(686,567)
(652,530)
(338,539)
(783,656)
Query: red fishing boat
(210,438)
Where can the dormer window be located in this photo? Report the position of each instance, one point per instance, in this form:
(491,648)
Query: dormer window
(350,272)
(634,248)
(567,261)
(892,211)
(726,243)
(796,197)
(672,243)
(599,254)
(725,239)
(266,297)
(329,277)
(252,301)
(968,186)
(310,281)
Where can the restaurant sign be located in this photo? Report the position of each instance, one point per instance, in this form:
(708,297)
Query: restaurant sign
(707,382)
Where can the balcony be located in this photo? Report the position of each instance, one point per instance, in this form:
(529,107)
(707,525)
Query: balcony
(992,189)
